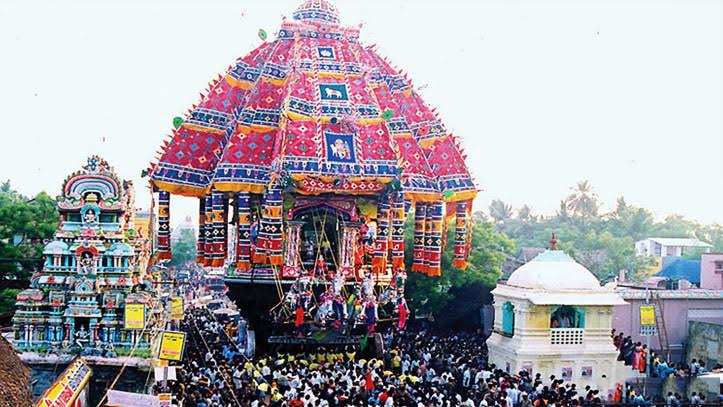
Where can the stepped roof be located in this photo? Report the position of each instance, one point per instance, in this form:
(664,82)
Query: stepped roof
(317,108)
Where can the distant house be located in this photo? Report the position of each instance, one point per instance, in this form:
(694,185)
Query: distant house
(669,246)
(711,271)
(680,304)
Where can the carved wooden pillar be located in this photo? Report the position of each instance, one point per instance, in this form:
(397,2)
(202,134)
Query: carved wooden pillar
(348,248)
(292,265)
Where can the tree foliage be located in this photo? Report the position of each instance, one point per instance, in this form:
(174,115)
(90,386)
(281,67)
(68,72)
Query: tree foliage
(462,289)
(7,299)
(25,225)
(603,242)
(184,249)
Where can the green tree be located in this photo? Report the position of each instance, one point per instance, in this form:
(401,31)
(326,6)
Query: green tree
(184,249)
(25,225)
(7,299)
(604,242)
(489,249)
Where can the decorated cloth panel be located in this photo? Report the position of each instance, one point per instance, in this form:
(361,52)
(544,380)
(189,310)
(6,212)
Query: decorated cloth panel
(243,232)
(433,239)
(201,240)
(420,215)
(163,248)
(219,228)
(381,247)
(208,229)
(269,246)
(461,234)
(398,217)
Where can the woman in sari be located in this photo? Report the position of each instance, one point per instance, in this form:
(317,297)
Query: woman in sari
(637,351)
(642,367)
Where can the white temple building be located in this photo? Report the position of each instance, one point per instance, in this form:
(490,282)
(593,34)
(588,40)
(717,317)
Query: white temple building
(553,317)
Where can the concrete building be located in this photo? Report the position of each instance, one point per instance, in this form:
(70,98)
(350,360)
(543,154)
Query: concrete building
(660,247)
(552,316)
(677,307)
(711,271)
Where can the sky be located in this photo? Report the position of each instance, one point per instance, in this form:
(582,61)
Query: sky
(625,94)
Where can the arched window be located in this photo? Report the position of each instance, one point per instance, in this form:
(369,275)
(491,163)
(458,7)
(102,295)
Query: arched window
(508,318)
(567,316)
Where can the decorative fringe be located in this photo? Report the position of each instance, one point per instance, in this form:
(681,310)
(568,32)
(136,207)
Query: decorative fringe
(259,252)
(292,267)
(208,231)
(398,218)
(381,247)
(269,243)
(163,250)
(420,214)
(460,237)
(201,241)
(219,229)
(243,232)
(433,239)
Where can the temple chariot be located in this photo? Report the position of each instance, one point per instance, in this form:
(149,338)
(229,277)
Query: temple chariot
(308,156)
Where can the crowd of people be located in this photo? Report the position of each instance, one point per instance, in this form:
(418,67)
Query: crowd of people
(419,368)
(635,355)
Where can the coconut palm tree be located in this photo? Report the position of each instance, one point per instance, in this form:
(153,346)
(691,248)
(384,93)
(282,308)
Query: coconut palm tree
(500,211)
(583,202)
(525,214)
(563,213)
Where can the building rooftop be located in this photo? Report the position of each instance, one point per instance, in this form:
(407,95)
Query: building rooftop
(554,270)
(14,376)
(682,269)
(679,241)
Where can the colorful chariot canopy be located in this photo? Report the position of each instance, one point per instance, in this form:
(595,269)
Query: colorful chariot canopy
(318,110)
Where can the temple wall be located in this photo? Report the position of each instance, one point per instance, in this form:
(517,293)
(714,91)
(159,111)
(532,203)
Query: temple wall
(705,342)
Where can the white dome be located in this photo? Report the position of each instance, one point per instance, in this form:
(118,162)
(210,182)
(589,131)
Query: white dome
(553,270)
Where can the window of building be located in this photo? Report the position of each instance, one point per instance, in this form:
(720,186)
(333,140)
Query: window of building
(566,316)
(508,318)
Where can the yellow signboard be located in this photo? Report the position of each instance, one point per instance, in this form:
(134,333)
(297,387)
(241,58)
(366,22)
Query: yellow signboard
(647,315)
(172,344)
(177,308)
(135,316)
(66,388)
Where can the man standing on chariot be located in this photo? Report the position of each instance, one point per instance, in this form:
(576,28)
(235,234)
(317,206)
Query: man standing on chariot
(403,312)
(370,314)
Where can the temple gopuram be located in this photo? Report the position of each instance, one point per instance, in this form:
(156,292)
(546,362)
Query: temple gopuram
(92,270)
(309,153)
